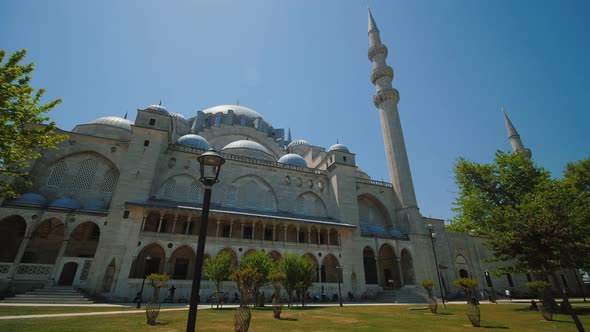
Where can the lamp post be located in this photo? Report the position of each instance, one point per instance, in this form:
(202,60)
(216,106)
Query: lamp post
(339,271)
(210,164)
(432,238)
(140,294)
(489,282)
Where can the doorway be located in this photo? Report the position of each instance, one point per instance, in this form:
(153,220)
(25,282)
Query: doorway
(68,273)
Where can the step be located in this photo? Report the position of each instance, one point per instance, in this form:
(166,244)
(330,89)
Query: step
(12,300)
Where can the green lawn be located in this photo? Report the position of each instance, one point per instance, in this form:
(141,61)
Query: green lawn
(513,317)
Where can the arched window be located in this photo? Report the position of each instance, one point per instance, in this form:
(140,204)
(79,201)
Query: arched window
(110,181)
(194,192)
(84,177)
(169,190)
(231,196)
(249,194)
(56,174)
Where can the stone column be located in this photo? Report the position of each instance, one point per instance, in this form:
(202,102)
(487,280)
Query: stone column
(263,232)
(274,235)
(217,229)
(174,222)
(58,260)
(231,228)
(253,230)
(188,223)
(401,274)
(298,228)
(328,239)
(379,272)
(160,223)
(19,256)
(285,235)
(308,236)
(241,230)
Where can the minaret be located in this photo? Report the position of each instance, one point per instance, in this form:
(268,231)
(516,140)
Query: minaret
(514,137)
(386,100)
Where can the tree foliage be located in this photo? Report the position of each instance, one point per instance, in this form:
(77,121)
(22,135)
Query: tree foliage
(537,223)
(300,274)
(260,262)
(219,268)
(23,128)
(467,285)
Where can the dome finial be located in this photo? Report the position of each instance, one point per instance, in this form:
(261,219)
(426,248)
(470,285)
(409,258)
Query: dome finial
(238,102)
(160,104)
(125,117)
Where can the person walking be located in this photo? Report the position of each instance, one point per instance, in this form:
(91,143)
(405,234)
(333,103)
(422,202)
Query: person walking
(508,297)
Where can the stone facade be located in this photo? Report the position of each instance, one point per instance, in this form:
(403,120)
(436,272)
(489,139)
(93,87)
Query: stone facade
(120,199)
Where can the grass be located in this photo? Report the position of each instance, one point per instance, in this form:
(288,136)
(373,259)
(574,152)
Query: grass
(513,317)
(32,310)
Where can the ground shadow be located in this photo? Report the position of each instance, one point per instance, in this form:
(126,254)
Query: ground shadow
(158,324)
(288,319)
(495,327)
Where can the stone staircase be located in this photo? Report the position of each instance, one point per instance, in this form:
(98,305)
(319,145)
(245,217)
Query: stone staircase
(406,294)
(51,295)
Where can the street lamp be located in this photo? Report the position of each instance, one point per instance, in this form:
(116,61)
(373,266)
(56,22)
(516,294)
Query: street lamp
(489,283)
(210,164)
(140,294)
(432,238)
(339,271)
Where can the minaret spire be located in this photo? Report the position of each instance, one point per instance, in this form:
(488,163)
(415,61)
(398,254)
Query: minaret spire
(386,100)
(514,137)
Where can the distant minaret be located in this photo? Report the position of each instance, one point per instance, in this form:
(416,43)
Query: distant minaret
(386,100)
(514,137)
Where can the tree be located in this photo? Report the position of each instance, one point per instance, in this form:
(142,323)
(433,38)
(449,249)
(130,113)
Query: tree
(299,274)
(23,131)
(219,269)
(246,279)
(536,223)
(261,263)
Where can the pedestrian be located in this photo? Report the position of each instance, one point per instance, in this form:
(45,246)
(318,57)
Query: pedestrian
(508,297)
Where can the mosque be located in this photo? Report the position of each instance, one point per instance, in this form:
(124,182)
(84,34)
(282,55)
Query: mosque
(120,199)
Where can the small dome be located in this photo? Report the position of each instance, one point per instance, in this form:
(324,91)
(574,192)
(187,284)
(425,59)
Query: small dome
(245,144)
(68,203)
(193,141)
(114,121)
(238,110)
(293,159)
(96,205)
(298,142)
(359,173)
(180,117)
(159,109)
(31,198)
(339,147)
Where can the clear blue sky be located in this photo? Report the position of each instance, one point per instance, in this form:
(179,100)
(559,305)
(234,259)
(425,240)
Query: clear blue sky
(303,65)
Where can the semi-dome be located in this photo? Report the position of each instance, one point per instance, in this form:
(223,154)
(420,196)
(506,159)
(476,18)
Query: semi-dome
(293,159)
(359,173)
(298,142)
(339,147)
(246,144)
(237,109)
(180,117)
(114,121)
(96,205)
(193,141)
(31,198)
(159,109)
(65,202)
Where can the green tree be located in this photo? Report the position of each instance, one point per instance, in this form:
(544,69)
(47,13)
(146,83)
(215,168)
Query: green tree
(536,223)
(24,132)
(299,274)
(261,263)
(219,268)
(246,279)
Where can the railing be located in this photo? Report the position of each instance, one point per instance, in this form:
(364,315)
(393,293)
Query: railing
(375,182)
(250,160)
(34,271)
(5,268)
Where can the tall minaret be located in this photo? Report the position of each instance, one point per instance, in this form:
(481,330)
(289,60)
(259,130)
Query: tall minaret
(514,137)
(386,100)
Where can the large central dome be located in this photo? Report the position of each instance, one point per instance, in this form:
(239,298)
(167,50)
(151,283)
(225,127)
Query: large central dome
(237,109)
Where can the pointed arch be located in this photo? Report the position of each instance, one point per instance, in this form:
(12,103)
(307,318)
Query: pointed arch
(329,271)
(45,242)
(388,265)
(372,211)
(370,266)
(151,259)
(182,263)
(310,204)
(314,261)
(12,233)
(251,192)
(83,240)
